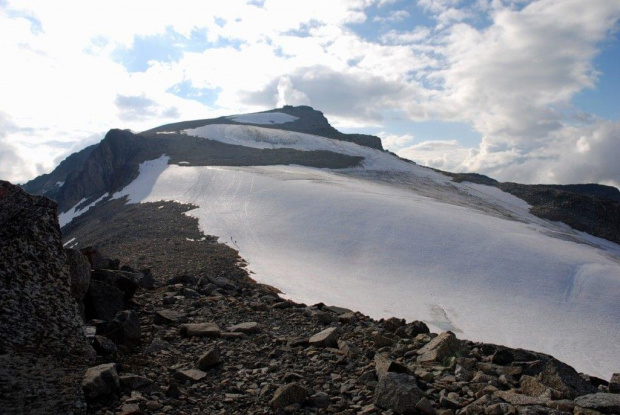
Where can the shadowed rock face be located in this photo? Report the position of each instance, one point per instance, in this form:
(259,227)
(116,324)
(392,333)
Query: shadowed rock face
(43,350)
(591,208)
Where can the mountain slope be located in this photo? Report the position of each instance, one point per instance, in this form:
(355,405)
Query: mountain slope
(333,221)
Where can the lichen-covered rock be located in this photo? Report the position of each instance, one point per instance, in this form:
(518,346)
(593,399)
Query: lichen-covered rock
(398,392)
(42,341)
(442,346)
(288,395)
(606,403)
(100,381)
(79,273)
(562,377)
(325,338)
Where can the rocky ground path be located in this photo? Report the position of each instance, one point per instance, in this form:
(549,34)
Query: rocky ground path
(222,346)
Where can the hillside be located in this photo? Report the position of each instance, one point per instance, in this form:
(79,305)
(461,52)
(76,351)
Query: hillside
(329,220)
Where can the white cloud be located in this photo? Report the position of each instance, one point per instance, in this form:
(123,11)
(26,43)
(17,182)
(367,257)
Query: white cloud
(288,95)
(395,142)
(513,80)
(447,155)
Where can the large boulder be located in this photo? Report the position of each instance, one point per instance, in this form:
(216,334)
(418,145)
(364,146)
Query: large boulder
(43,349)
(292,393)
(79,273)
(562,377)
(444,345)
(103,301)
(398,392)
(125,328)
(100,381)
(325,338)
(606,403)
(127,282)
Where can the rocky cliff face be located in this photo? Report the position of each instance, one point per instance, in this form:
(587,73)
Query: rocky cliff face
(43,350)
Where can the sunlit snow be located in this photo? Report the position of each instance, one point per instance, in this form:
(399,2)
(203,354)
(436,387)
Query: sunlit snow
(263,118)
(386,250)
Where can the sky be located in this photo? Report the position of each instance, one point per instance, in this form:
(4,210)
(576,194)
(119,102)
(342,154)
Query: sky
(519,90)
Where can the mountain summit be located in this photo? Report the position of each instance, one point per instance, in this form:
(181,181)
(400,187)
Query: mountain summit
(332,217)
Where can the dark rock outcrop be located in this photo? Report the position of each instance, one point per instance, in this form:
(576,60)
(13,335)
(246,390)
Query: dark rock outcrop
(42,341)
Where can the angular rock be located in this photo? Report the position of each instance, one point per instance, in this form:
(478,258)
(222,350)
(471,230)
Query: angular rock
(100,380)
(246,328)
(104,346)
(209,359)
(127,282)
(290,394)
(614,383)
(384,365)
(519,399)
(416,327)
(560,376)
(398,392)
(200,330)
(103,301)
(169,317)
(193,375)
(503,357)
(125,328)
(225,283)
(132,382)
(606,403)
(43,350)
(444,345)
(79,273)
(319,400)
(325,338)
(393,323)
(157,345)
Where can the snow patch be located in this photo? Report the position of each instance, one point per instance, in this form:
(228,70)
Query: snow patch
(264,138)
(74,212)
(263,118)
(387,250)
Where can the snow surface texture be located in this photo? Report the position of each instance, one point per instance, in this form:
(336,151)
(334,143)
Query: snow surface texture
(263,118)
(386,250)
(74,212)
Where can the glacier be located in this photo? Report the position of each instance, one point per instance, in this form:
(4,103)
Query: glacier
(390,238)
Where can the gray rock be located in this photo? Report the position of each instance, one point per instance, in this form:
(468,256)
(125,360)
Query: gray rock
(132,382)
(560,376)
(43,350)
(158,345)
(79,273)
(209,359)
(398,392)
(246,328)
(290,394)
(444,345)
(103,301)
(325,338)
(169,317)
(606,403)
(614,383)
(225,284)
(384,365)
(125,328)
(104,346)
(192,375)
(319,400)
(100,380)
(200,330)
(127,282)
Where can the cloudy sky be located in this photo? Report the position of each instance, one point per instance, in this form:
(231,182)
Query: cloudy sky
(520,90)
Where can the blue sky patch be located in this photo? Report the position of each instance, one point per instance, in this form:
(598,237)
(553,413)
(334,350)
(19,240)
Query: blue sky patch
(186,90)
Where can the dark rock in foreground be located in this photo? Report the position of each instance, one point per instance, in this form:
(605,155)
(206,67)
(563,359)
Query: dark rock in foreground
(43,350)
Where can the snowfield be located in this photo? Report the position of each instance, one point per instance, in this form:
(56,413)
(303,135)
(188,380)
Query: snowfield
(263,118)
(403,241)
